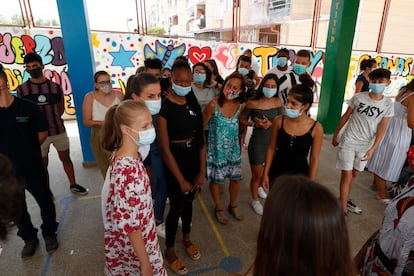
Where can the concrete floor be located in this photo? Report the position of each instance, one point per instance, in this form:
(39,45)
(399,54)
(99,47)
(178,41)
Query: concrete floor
(224,248)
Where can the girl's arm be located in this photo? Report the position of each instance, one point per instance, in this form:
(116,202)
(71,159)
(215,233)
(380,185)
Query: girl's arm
(199,180)
(167,156)
(358,86)
(317,138)
(341,124)
(208,112)
(410,112)
(87,111)
(382,127)
(138,244)
(270,152)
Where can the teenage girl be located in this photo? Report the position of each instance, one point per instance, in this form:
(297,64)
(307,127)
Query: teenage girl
(223,150)
(131,244)
(260,113)
(293,136)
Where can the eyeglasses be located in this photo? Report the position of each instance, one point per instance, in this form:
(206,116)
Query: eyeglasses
(104,82)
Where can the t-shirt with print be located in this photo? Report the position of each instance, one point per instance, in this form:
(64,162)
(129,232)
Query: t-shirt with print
(127,207)
(359,133)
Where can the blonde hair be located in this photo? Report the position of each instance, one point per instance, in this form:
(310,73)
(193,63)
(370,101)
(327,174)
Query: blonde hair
(117,115)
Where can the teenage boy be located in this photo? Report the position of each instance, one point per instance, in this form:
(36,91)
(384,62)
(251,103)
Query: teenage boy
(367,117)
(282,67)
(291,78)
(48,96)
(153,66)
(22,129)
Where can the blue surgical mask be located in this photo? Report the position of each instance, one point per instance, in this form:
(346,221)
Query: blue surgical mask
(154,106)
(146,137)
(292,113)
(243,71)
(377,88)
(199,78)
(181,90)
(269,92)
(282,61)
(299,68)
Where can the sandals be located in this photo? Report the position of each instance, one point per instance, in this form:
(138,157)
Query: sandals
(221,219)
(193,250)
(178,266)
(237,215)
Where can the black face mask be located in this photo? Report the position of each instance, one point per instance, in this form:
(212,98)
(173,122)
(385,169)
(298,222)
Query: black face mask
(35,73)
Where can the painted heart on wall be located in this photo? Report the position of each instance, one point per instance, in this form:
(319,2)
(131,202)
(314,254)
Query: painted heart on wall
(197,54)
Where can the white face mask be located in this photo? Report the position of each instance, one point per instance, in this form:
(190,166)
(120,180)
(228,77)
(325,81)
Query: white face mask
(146,137)
(106,88)
(153,106)
(144,151)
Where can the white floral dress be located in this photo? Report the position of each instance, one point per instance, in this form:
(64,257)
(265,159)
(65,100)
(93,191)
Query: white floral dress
(127,207)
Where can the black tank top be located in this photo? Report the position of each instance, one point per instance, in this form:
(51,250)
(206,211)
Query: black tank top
(291,153)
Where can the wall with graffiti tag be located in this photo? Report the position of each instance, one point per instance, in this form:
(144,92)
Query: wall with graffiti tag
(121,54)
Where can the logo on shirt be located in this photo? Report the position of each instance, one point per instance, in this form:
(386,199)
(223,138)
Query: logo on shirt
(24,119)
(368,110)
(41,98)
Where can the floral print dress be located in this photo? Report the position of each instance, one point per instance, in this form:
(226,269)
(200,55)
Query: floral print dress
(223,149)
(127,207)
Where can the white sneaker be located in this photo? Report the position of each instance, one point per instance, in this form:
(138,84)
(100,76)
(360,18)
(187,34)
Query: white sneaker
(161,230)
(257,207)
(262,193)
(352,207)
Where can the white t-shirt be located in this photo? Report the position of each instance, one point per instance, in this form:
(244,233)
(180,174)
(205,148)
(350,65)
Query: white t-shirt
(359,133)
(277,72)
(256,67)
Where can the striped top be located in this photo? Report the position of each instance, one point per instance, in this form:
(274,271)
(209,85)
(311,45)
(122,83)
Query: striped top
(47,96)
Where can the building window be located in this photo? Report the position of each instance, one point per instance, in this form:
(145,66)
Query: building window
(279,8)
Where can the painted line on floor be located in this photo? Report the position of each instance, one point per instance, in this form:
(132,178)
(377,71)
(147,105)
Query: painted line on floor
(213,226)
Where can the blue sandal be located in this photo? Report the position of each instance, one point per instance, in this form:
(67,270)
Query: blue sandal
(237,215)
(221,219)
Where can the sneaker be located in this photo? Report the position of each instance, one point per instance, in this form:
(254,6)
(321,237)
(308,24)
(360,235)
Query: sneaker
(353,208)
(257,207)
(29,248)
(51,243)
(262,193)
(78,189)
(161,230)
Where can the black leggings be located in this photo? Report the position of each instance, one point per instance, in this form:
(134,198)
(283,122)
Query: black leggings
(181,205)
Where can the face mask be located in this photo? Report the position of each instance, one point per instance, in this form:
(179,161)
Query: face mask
(181,90)
(377,88)
(269,92)
(199,78)
(146,137)
(243,71)
(144,151)
(35,73)
(299,69)
(153,106)
(106,88)
(231,95)
(292,113)
(282,61)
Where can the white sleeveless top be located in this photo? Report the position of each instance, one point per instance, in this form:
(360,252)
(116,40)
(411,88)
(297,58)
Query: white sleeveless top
(99,110)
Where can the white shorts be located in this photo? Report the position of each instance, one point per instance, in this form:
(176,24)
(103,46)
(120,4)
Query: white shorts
(60,142)
(348,160)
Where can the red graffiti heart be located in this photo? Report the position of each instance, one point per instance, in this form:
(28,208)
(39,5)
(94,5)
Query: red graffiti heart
(199,55)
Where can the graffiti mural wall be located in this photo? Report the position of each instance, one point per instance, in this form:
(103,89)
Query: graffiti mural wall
(122,54)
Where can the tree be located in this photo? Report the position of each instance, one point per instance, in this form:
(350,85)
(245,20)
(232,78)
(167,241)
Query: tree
(17,19)
(3,20)
(156,31)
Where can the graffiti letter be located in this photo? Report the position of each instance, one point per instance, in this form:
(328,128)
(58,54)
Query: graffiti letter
(17,45)
(265,53)
(29,43)
(43,48)
(6,52)
(59,58)
(315,58)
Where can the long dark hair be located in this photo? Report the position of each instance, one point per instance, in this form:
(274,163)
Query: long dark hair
(11,196)
(303,92)
(302,232)
(242,95)
(137,83)
(259,91)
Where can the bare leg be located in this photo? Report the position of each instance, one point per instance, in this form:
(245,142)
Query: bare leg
(64,156)
(215,194)
(255,181)
(347,179)
(382,187)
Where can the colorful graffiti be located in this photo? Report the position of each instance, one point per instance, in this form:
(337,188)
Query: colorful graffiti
(121,54)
